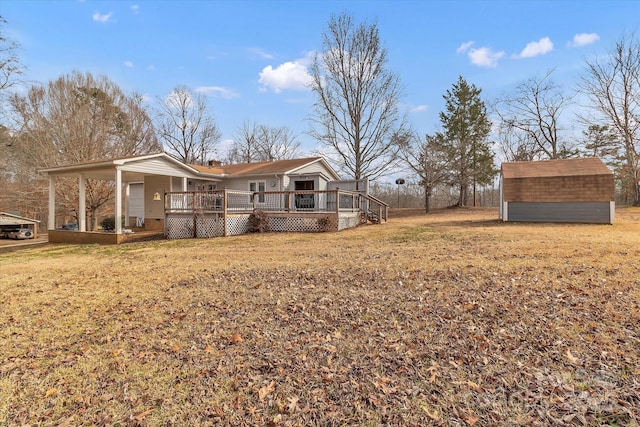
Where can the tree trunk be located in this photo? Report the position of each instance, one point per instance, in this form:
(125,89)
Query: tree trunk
(427,196)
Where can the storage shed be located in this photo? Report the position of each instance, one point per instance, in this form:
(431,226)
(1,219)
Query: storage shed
(567,190)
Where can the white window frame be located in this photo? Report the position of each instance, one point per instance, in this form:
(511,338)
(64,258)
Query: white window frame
(255,186)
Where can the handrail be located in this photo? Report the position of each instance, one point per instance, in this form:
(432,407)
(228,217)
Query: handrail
(236,201)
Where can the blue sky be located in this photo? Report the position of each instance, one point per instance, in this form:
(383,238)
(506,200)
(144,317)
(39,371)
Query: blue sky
(250,57)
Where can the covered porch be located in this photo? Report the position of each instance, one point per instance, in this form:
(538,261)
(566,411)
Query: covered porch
(159,174)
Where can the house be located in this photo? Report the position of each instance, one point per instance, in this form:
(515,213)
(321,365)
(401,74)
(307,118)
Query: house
(163,194)
(10,222)
(567,190)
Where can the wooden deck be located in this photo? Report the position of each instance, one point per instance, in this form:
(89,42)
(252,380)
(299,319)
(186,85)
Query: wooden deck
(227,212)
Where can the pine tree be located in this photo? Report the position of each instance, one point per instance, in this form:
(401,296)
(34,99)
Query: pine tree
(463,140)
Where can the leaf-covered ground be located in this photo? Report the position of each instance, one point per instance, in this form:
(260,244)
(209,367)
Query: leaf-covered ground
(448,319)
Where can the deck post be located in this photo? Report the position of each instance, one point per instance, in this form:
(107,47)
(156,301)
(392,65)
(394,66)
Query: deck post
(224,213)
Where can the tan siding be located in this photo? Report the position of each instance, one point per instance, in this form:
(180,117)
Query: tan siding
(154,209)
(563,188)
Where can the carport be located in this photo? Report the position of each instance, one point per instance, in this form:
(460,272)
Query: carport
(10,221)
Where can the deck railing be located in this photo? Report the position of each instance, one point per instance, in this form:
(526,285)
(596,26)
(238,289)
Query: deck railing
(234,201)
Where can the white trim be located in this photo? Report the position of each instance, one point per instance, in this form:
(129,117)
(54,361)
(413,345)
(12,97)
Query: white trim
(82,203)
(52,203)
(118,213)
(612,212)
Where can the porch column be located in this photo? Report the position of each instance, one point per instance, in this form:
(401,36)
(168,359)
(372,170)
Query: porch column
(126,204)
(118,215)
(82,203)
(51,222)
(185,184)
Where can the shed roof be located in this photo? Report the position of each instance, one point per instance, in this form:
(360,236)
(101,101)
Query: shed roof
(555,168)
(11,219)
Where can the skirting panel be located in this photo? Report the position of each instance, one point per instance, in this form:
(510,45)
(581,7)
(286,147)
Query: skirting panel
(237,225)
(185,226)
(348,220)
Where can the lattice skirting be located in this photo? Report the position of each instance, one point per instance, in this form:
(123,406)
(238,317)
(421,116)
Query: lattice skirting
(185,226)
(300,224)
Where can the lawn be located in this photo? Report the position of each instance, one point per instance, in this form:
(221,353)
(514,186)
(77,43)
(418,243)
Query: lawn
(450,319)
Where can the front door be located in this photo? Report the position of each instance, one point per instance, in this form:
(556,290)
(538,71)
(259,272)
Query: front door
(304,201)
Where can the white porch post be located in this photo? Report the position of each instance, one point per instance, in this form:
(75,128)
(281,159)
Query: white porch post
(126,204)
(82,203)
(185,183)
(51,222)
(118,214)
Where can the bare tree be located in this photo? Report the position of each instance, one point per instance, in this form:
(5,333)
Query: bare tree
(262,143)
(186,128)
(10,66)
(612,84)
(277,143)
(356,108)
(529,121)
(425,161)
(77,118)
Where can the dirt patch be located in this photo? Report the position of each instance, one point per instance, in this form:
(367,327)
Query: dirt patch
(448,319)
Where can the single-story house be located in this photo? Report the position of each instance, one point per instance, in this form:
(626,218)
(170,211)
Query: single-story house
(566,190)
(163,194)
(10,222)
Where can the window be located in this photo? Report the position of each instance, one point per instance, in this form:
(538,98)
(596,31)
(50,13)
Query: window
(258,186)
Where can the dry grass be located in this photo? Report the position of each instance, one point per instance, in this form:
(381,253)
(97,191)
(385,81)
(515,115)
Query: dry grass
(448,319)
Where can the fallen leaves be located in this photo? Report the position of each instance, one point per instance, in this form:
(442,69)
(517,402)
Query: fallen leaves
(503,325)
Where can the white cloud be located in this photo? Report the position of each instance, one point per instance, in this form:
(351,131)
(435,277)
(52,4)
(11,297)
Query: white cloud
(98,17)
(222,92)
(583,39)
(257,52)
(135,8)
(128,64)
(464,47)
(151,67)
(485,57)
(290,75)
(541,47)
(418,108)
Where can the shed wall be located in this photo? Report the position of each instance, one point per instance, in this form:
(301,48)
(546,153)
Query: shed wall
(579,212)
(585,188)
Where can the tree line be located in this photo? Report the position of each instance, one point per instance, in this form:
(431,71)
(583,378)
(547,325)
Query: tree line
(355,118)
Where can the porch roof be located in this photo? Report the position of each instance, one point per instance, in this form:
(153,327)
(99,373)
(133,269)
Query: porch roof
(133,168)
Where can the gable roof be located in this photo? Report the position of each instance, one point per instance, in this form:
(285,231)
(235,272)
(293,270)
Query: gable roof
(136,166)
(554,168)
(265,168)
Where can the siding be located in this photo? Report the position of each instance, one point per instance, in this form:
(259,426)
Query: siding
(560,189)
(157,167)
(582,212)
(136,200)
